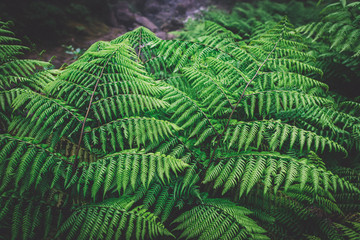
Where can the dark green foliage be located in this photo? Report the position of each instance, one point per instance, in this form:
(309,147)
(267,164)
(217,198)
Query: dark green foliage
(112,219)
(17,73)
(336,37)
(247,17)
(245,170)
(217,218)
(215,138)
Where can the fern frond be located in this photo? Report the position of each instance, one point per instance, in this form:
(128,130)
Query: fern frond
(137,131)
(164,199)
(30,218)
(244,134)
(214,29)
(125,105)
(7,98)
(274,170)
(352,232)
(337,23)
(21,67)
(212,85)
(7,52)
(25,162)
(188,111)
(274,101)
(120,171)
(138,37)
(44,114)
(294,66)
(290,79)
(112,219)
(218,218)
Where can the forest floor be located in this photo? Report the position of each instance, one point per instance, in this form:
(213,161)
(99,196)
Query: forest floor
(159,16)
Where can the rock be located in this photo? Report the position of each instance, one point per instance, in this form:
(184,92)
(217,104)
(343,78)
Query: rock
(172,25)
(123,14)
(144,21)
(165,35)
(111,19)
(183,6)
(152,7)
(161,35)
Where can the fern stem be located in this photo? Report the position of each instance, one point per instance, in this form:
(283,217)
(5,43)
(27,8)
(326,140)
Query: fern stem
(219,137)
(140,39)
(191,152)
(76,161)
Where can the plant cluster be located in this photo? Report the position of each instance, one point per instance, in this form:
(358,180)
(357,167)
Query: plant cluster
(245,18)
(331,29)
(335,40)
(213,138)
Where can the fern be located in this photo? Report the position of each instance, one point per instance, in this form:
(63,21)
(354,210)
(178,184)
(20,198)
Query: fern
(112,172)
(24,162)
(336,36)
(207,137)
(216,219)
(112,219)
(32,217)
(277,134)
(273,171)
(18,73)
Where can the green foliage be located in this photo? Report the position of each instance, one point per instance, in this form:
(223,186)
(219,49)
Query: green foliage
(16,72)
(119,171)
(339,21)
(336,43)
(112,219)
(246,18)
(246,170)
(220,138)
(30,217)
(218,218)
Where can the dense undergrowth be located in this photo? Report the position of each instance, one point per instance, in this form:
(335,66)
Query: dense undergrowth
(330,29)
(206,137)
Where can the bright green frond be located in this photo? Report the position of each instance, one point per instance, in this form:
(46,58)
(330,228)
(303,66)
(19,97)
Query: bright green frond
(119,172)
(275,135)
